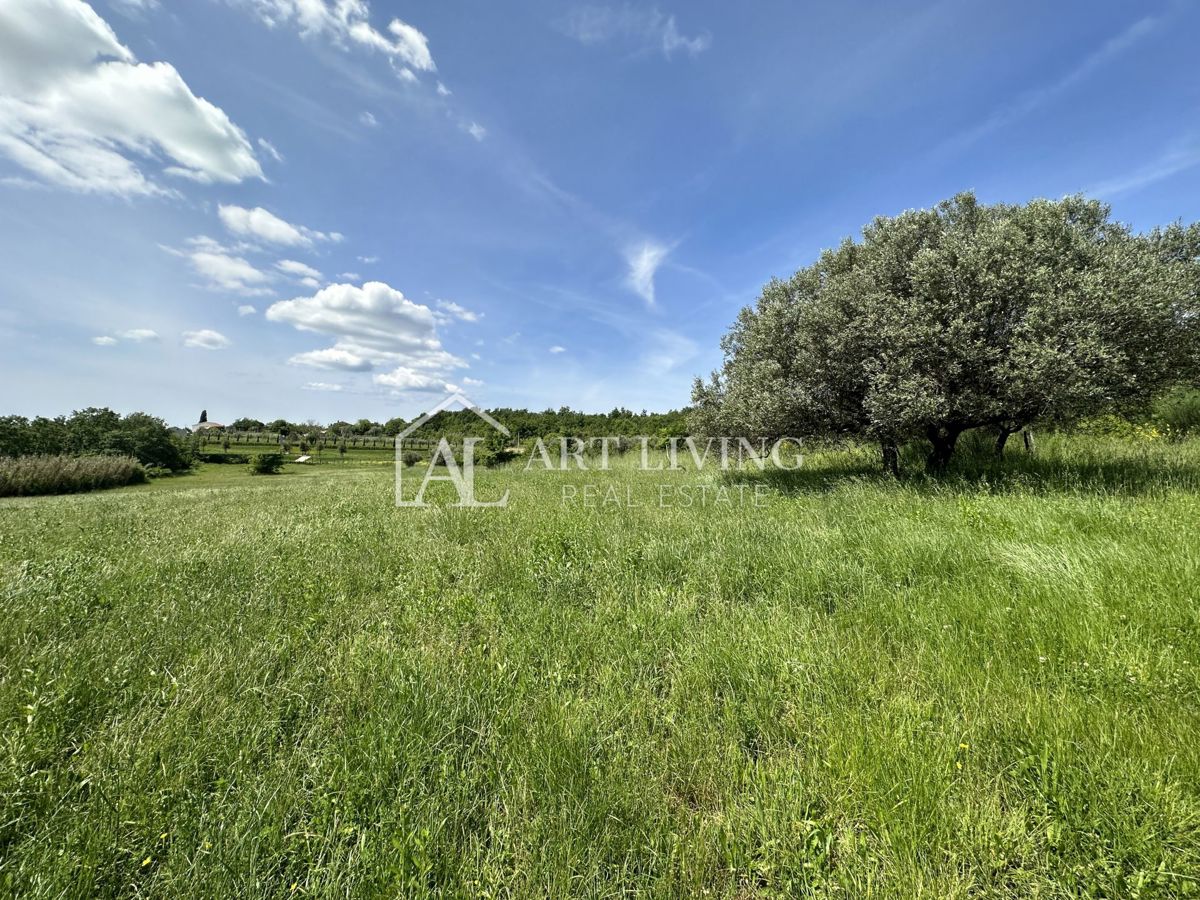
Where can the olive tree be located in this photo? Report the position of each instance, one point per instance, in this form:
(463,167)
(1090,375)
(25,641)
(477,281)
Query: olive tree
(962,316)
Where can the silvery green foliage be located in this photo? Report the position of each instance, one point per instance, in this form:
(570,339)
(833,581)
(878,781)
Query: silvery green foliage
(966,315)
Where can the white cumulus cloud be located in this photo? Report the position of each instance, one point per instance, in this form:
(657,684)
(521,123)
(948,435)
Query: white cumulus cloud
(79,110)
(299,269)
(373,327)
(452,310)
(260,224)
(205,339)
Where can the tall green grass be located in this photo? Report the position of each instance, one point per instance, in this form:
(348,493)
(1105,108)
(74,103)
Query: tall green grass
(985,686)
(25,476)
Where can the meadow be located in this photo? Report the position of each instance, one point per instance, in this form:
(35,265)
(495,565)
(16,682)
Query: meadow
(982,685)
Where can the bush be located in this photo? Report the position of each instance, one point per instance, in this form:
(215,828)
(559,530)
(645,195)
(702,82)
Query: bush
(266,464)
(27,476)
(502,456)
(1179,412)
(409,458)
(239,459)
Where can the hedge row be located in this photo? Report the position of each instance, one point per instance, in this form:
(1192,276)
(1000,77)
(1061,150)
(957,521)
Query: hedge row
(26,476)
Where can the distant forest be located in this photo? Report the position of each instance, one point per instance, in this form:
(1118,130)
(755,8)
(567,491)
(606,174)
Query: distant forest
(150,440)
(521,422)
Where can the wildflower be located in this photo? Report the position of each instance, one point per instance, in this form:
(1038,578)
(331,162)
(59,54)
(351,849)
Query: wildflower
(146,862)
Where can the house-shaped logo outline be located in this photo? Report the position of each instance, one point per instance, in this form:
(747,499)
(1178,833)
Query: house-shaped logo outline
(448,400)
(468,467)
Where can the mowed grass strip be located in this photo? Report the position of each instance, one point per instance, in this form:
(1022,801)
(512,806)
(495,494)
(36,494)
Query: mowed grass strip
(983,686)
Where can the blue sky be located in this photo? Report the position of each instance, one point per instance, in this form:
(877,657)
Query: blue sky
(333,208)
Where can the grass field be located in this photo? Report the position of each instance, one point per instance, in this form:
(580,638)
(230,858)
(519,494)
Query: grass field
(986,686)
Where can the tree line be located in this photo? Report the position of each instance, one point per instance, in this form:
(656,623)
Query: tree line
(101,431)
(96,431)
(522,422)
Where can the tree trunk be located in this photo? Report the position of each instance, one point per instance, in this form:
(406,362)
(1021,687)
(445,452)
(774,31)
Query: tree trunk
(891,458)
(943,440)
(1027,434)
(1001,441)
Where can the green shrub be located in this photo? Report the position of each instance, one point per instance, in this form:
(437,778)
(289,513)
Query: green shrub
(237,459)
(501,456)
(1179,412)
(409,458)
(27,476)
(266,464)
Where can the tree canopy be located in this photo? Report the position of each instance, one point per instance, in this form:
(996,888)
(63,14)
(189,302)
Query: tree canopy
(966,315)
(95,431)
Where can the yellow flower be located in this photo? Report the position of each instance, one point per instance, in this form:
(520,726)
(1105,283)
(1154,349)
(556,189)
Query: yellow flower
(146,862)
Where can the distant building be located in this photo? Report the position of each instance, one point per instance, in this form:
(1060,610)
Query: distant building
(208,426)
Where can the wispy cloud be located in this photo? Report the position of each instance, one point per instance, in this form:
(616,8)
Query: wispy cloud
(645,29)
(136,335)
(222,268)
(1035,99)
(668,349)
(644,260)
(347,24)
(268,148)
(1179,157)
